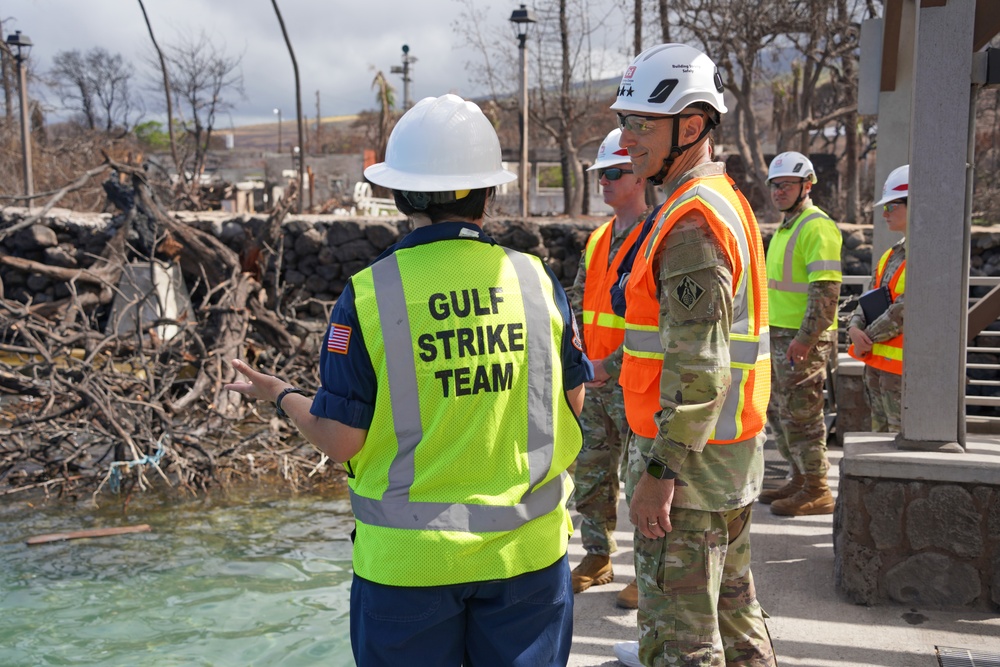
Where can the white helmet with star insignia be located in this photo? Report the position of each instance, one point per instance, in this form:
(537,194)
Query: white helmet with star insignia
(668,78)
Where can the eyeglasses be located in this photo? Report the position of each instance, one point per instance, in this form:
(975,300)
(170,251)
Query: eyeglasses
(892,206)
(783,187)
(612,174)
(640,124)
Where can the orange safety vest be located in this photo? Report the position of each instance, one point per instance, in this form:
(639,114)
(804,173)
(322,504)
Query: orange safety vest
(603,331)
(744,411)
(887,355)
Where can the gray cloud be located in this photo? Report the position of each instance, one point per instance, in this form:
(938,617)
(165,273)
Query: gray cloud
(338,45)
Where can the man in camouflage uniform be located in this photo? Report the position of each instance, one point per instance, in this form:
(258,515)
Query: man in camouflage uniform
(603,416)
(803,286)
(694,374)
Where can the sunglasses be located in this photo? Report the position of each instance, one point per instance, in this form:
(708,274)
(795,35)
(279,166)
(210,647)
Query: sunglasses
(612,174)
(783,187)
(892,206)
(639,124)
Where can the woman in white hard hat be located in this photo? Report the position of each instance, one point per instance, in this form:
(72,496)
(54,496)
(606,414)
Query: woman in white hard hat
(877,335)
(451,379)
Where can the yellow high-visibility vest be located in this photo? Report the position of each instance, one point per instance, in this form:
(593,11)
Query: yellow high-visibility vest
(805,252)
(462,475)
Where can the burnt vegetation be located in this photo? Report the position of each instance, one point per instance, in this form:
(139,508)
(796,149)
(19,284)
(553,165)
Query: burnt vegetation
(91,400)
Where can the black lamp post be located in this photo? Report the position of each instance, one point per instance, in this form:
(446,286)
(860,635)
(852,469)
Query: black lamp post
(405,71)
(20,45)
(522,19)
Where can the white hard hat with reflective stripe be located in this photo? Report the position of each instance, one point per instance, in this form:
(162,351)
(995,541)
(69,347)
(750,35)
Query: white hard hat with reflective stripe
(611,153)
(897,185)
(666,79)
(791,163)
(441,144)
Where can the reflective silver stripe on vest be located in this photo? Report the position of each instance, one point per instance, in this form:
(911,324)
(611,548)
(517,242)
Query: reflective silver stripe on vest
(726,426)
(824,265)
(655,232)
(536,312)
(787,282)
(643,341)
(402,371)
(747,352)
(730,216)
(456,517)
(394,509)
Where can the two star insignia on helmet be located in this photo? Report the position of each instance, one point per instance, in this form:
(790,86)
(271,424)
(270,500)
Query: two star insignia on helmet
(688,292)
(626,92)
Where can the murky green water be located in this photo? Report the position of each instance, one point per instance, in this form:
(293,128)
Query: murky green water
(216,583)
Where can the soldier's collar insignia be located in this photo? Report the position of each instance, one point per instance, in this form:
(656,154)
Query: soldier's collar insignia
(688,292)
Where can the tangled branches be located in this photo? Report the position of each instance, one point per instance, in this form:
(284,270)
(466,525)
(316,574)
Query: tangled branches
(93,400)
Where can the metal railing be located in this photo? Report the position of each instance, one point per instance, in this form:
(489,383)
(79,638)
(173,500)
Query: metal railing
(985,405)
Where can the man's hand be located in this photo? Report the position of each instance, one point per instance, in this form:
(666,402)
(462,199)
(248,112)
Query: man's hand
(601,376)
(797,352)
(649,510)
(862,343)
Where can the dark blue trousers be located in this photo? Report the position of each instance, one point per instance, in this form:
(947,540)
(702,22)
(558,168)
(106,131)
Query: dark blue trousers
(525,621)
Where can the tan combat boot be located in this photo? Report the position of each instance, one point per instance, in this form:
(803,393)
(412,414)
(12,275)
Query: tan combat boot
(628,597)
(813,498)
(593,570)
(788,489)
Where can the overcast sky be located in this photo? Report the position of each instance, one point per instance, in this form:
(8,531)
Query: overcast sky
(338,44)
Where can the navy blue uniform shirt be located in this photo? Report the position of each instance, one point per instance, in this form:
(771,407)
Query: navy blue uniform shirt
(348,383)
(625,268)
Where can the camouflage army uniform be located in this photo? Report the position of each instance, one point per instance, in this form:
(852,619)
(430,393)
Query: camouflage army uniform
(884,389)
(596,472)
(697,603)
(796,408)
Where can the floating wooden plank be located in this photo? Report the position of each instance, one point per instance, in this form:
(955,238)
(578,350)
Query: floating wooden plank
(92,532)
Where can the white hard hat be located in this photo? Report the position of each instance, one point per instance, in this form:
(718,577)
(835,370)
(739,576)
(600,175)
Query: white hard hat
(442,144)
(666,79)
(611,152)
(897,185)
(791,163)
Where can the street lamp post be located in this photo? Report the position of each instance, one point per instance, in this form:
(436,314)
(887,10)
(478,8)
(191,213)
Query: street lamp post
(21,45)
(522,18)
(405,71)
(278,112)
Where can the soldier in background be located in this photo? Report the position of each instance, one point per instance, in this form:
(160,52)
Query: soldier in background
(879,343)
(803,287)
(603,416)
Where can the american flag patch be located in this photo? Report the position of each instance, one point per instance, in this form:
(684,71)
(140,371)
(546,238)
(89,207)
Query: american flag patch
(339,338)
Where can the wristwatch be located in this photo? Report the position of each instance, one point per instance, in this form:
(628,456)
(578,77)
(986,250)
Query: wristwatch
(659,469)
(285,392)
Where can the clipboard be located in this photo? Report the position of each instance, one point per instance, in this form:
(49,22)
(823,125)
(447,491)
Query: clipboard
(875,302)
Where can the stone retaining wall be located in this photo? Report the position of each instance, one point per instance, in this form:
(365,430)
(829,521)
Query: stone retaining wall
(918,536)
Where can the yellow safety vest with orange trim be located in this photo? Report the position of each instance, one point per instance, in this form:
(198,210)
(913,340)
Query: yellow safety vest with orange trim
(603,331)
(743,414)
(886,355)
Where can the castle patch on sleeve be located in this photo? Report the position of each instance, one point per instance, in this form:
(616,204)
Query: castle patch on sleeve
(688,292)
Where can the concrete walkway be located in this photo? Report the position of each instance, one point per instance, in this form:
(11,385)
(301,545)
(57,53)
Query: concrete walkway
(811,624)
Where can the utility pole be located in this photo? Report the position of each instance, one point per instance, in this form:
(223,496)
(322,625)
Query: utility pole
(319,127)
(405,71)
(21,45)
